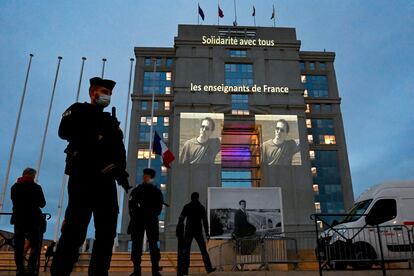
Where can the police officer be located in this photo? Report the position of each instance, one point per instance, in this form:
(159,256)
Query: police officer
(95,159)
(145,205)
(29,223)
(196,217)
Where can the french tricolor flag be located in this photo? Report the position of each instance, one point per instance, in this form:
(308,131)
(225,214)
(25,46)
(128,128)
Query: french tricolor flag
(160,148)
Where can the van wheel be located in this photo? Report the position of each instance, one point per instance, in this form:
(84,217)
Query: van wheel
(365,253)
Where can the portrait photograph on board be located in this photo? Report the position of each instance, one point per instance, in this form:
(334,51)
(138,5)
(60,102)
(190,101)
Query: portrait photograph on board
(200,138)
(244,212)
(280,140)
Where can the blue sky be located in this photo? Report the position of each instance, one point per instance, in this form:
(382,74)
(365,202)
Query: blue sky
(373,41)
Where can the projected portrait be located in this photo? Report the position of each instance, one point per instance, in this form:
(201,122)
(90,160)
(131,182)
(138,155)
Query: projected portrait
(280,138)
(243,212)
(200,138)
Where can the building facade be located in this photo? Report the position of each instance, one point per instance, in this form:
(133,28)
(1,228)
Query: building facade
(246,79)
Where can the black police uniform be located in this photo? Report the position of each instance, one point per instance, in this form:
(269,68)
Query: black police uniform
(196,215)
(145,205)
(29,223)
(95,159)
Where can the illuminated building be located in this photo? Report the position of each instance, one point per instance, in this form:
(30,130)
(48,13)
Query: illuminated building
(194,77)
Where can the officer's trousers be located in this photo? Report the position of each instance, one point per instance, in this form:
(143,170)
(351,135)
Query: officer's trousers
(150,226)
(188,238)
(34,236)
(101,201)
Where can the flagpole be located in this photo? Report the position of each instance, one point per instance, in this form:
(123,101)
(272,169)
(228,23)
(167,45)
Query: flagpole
(218,15)
(198,16)
(39,163)
(274,16)
(103,67)
(16,129)
(65,177)
(128,97)
(80,79)
(152,118)
(235,14)
(254,16)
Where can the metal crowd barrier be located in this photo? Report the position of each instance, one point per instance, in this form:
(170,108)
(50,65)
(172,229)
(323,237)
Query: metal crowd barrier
(260,251)
(362,248)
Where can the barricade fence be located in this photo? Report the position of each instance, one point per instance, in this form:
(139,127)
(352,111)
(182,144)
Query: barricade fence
(260,251)
(361,248)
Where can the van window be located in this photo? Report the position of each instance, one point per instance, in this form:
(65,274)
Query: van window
(356,211)
(383,210)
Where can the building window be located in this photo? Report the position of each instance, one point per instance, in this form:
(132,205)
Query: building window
(163,170)
(145,127)
(240,104)
(313,171)
(315,188)
(157,83)
(322,65)
(310,138)
(312,65)
(302,65)
(316,108)
(327,107)
(317,207)
(317,86)
(167,105)
(166,121)
(329,181)
(303,79)
(305,93)
(327,139)
(145,153)
(307,108)
(156,105)
(238,74)
(169,62)
(308,123)
(312,154)
(167,90)
(147,61)
(165,136)
(238,53)
(144,105)
(163,186)
(159,62)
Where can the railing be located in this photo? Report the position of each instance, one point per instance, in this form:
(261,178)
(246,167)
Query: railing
(5,241)
(340,247)
(260,251)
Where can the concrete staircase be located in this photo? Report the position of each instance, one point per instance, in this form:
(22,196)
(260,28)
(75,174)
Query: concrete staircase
(120,262)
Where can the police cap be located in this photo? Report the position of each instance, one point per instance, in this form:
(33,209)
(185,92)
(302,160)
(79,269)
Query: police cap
(149,172)
(109,84)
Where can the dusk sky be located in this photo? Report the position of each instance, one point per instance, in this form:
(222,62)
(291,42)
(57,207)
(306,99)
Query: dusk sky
(373,41)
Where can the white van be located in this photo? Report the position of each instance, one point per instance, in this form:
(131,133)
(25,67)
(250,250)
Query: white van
(391,207)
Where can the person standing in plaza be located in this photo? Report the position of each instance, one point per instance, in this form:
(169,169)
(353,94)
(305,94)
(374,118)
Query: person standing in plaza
(195,217)
(145,205)
(95,160)
(28,220)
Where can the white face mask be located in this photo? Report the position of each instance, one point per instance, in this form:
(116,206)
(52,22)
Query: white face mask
(103,100)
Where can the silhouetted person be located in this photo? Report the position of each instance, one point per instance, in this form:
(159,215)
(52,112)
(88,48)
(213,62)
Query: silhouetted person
(95,160)
(242,226)
(196,218)
(28,220)
(145,205)
(50,252)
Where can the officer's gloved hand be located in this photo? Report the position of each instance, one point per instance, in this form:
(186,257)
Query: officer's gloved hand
(123,182)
